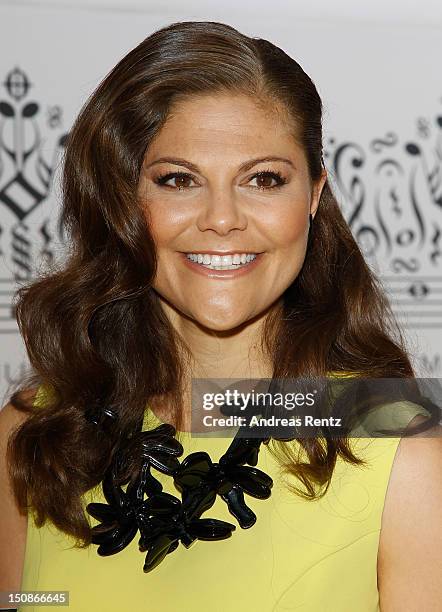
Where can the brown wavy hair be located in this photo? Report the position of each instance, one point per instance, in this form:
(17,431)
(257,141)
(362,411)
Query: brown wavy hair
(94,328)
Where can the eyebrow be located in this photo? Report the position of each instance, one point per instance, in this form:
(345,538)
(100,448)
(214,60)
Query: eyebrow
(178,161)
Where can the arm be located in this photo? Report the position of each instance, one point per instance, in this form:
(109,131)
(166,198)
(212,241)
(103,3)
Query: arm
(12,524)
(410,546)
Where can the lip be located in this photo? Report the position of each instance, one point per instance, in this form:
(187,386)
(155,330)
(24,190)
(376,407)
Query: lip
(208,273)
(221,252)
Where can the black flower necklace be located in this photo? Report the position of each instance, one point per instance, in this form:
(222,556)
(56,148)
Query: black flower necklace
(162,519)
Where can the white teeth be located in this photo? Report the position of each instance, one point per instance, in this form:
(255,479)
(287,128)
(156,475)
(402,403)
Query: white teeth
(221,262)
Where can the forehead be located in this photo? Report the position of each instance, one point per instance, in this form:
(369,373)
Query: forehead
(225,123)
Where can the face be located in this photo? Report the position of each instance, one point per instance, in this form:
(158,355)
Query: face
(214,194)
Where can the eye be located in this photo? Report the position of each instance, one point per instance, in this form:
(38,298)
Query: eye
(266,176)
(182,177)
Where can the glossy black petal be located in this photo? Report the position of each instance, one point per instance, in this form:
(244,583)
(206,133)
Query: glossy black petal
(237,506)
(162,546)
(197,501)
(211,529)
(102,512)
(164,463)
(161,440)
(163,504)
(255,482)
(158,447)
(104,533)
(193,470)
(116,540)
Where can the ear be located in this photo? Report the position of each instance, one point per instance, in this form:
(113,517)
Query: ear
(316,192)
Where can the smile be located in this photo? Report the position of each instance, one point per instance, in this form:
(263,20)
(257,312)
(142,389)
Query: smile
(222,262)
(222,266)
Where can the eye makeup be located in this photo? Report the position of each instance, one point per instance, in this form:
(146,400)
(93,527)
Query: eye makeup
(162,179)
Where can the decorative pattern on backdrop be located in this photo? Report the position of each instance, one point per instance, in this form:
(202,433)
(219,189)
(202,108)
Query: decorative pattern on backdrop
(392,201)
(390,191)
(30,143)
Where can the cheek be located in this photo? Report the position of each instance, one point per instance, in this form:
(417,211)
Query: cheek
(165,227)
(162,224)
(160,217)
(287,229)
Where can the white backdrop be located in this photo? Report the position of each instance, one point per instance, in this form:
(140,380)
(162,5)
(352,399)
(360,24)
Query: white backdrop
(382,92)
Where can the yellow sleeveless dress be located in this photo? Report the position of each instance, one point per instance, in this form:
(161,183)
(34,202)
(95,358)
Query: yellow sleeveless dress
(308,556)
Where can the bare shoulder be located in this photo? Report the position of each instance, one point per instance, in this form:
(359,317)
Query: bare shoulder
(10,415)
(13,524)
(410,546)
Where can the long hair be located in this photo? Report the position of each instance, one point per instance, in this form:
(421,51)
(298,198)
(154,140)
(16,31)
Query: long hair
(94,328)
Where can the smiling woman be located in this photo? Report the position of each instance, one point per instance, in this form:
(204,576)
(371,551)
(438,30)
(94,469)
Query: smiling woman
(206,243)
(246,191)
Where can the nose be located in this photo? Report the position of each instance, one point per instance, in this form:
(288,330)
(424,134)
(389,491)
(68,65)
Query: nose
(221,212)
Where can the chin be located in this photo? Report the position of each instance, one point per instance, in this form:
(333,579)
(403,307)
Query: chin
(221,323)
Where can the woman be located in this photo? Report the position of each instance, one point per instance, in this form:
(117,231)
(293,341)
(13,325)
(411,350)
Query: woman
(203,142)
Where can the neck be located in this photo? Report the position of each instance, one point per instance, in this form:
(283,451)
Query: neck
(217,354)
